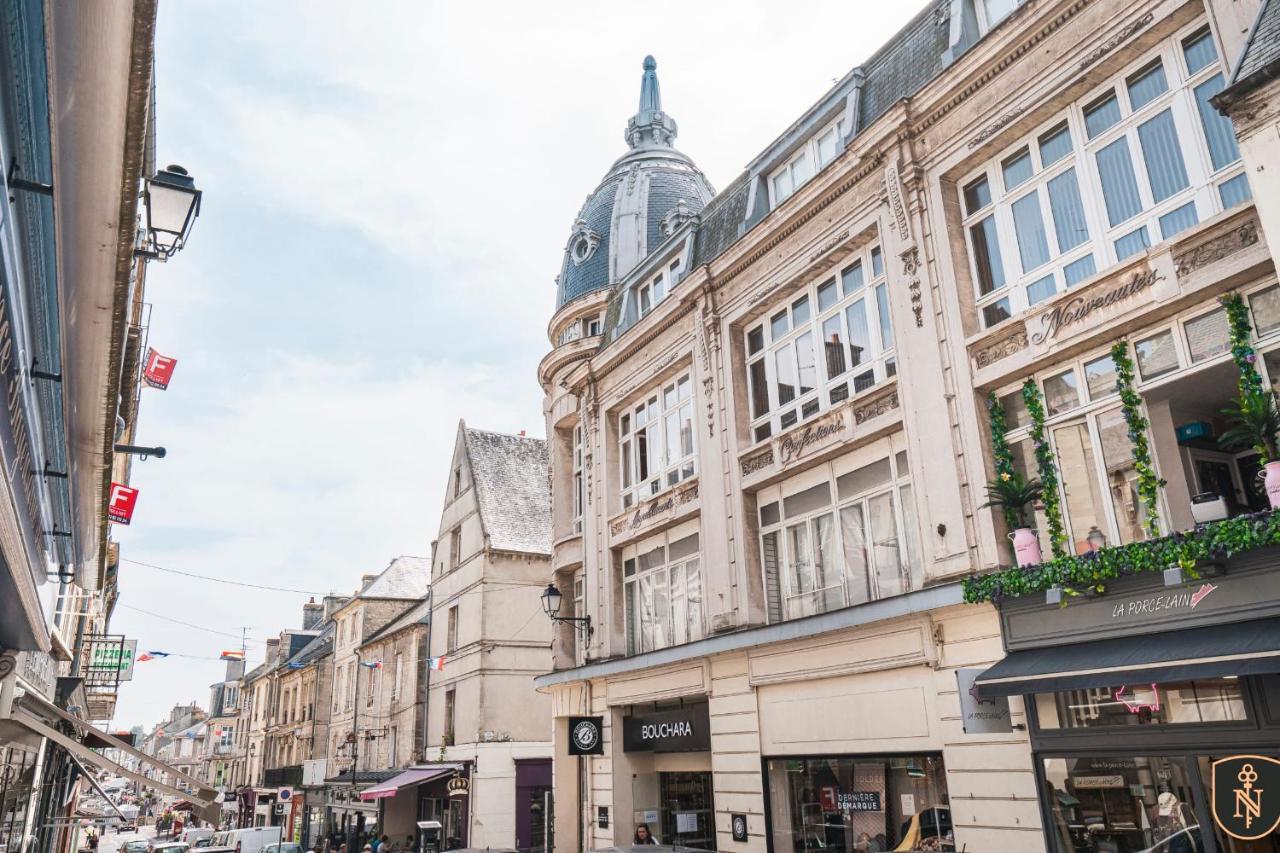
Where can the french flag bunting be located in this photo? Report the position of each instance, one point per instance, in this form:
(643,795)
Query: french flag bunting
(436,664)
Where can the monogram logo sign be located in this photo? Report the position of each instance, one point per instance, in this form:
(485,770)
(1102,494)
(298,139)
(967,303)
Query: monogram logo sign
(1246,796)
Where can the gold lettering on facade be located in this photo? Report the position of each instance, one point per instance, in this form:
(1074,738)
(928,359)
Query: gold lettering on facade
(792,446)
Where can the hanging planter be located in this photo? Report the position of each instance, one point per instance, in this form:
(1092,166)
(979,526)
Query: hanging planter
(1046,466)
(1149,484)
(1012,492)
(1253,420)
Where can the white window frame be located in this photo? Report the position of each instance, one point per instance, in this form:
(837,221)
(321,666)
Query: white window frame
(1203,188)
(577,483)
(645,421)
(878,366)
(985,21)
(582,327)
(800,168)
(643,634)
(579,610)
(811,602)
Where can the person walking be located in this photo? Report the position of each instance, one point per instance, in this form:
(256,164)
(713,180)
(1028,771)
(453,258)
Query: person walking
(643,835)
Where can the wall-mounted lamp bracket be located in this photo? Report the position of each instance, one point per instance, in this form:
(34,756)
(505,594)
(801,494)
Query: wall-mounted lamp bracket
(22,184)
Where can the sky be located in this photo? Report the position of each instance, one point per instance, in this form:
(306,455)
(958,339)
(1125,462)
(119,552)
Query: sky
(388,190)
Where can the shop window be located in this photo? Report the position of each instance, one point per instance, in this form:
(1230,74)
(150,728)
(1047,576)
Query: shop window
(823,548)
(1103,180)
(662,580)
(1214,700)
(1265,305)
(858,803)
(1208,336)
(1104,803)
(831,342)
(1156,355)
(656,441)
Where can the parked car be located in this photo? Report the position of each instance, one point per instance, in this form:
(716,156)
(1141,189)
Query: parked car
(195,836)
(249,840)
(169,847)
(283,847)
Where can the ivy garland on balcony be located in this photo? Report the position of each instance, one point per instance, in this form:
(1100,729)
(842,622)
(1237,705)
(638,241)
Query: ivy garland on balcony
(1149,483)
(1217,540)
(1242,351)
(1046,466)
(1003,456)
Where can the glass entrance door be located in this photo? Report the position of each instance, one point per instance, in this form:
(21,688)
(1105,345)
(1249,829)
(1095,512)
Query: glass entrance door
(688,812)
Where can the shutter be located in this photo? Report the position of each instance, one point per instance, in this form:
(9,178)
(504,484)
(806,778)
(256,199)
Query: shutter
(772,583)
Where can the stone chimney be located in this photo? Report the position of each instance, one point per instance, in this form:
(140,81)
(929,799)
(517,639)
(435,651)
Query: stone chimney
(235,670)
(273,651)
(332,603)
(312,615)
(365,580)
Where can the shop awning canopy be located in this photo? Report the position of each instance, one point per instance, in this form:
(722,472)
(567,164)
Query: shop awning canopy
(1242,648)
(88,776)
(413,776)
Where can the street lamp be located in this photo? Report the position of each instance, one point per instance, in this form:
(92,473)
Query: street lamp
(141,452)
(172,204)
(551,601)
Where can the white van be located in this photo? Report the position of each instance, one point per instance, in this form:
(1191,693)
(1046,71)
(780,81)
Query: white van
(250,840)
(191,836)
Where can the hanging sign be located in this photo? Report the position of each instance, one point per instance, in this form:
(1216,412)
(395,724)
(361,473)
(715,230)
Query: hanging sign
(979,715)
(586,735)
(158,370)
(113,656)
(459,786)
(120,507)
(1246,796)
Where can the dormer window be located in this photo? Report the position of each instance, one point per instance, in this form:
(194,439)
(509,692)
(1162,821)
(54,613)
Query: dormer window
(582,242)
(651,293)
(817,152)
(993,12)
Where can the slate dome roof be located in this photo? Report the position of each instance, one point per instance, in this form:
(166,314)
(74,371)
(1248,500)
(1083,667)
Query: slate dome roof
(621,221)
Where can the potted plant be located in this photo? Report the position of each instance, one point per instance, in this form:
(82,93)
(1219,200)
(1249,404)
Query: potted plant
(1255,422)
(1014,494)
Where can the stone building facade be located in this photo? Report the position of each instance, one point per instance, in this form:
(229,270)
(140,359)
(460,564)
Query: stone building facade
(770,437)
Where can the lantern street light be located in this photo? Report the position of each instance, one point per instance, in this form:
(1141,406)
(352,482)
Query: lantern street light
(551,601)
(172,205)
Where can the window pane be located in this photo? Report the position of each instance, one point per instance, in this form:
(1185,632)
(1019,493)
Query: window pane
(864,479)
(913,569)
(827,295)
(1178,220)
(1101,114)
(672,438)
(877,262)
(1100,376)
(851,278)
(859,333)
(857,568)
(1122,475)
(759,388)
(998,10)
(1017,169)
(1199,50)
(1147,85)
(779,325)
(1033,245)
(1157,355)
(1039,291)
(1120,799)
(886,553)
(1163,156)
(1265,305)
(800,312)
(977,195)
(1015,409)
(1077,271)
(827,574)
(827,147)
(1234,191)
(986,255)
(1061,393)
(785,375)
(808,368)
(1119,185)
(781,186)
(1208,335)
(800,170)
(1069,224)
(755,340)
(833,346)
(1132,243)
(1079,484)
(1054,145)
(693,599)
(1217,127)
(996,312)
(1209,700)
(800,583)
(882,309)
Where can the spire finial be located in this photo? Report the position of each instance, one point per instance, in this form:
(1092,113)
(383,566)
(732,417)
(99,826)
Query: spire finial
(650,127)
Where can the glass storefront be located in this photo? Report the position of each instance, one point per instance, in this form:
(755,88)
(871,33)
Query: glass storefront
(17,775)
(859,804)
(687,815)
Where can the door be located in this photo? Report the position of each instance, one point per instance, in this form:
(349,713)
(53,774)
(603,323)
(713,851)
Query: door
(533,799)
(687,811)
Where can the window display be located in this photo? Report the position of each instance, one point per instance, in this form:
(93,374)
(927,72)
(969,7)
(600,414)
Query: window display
(1210,700)
(859,804)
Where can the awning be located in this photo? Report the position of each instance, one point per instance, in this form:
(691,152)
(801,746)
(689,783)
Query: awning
(93,783)
(205,798)
(1242,648)
(413,776)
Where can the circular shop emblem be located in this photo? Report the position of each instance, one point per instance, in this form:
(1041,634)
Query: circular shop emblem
(739,826)
(586,735)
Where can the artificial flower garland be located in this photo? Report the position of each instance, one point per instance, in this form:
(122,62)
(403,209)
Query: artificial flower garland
(1242,351)
(1046,467)
(1209,542)
(1003,456)
(1149,483)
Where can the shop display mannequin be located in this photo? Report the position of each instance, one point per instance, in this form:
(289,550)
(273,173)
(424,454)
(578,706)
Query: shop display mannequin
(1170,820)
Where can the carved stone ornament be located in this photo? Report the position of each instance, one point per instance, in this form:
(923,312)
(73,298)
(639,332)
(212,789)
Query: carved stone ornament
(1116,40)
(701,334)
(1015,341)
(876,408)
(911,269)
(676,218)
(582,242)
(1216,249)
(893,189)
(655,509)
(996,126)
(757,462)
